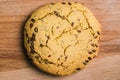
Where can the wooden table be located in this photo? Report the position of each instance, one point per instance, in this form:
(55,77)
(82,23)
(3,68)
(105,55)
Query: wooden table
(13,61)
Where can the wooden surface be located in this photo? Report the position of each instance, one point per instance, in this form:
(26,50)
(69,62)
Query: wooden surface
(13,62)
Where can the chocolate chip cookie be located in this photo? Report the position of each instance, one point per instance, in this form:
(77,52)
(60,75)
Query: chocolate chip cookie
(62,37)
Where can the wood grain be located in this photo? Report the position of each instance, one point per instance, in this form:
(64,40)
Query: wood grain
(101,71)
(13,61)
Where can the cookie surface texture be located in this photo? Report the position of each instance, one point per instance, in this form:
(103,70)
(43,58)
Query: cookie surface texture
(62,38)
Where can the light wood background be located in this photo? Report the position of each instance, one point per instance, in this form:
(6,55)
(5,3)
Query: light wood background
(13,62)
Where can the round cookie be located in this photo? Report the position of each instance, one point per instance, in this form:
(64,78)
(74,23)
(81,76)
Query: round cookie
(62,38)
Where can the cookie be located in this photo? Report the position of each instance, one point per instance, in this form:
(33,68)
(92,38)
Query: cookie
(62,38)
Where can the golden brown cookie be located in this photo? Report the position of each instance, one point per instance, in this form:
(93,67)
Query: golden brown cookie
(62,38)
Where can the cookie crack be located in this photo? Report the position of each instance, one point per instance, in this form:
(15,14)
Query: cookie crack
(89,27)
(64,53)
(76,40)
(45,16)
(59,35)
(86,20)
(47,43)
(58,14)
(67,21)
(63,17)
(69,14)
(63,32)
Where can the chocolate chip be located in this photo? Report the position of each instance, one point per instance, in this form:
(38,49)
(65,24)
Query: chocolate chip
(46,62)
(26,35)
(93,34)
(36,56)
(58,58)
(93,50)
(48,37)
(57,27)
(95,37)
(33,20)
(79,31)
(63,3)
(31,25)
(93,45)
(56,13)
(86,61)
(90,53)
(29,40)
(33,35)
(32,51)
(69,3)
(75,2)
(65,57)
(98,32)
(32,39)
(58,65)
(96,45)
(52,3)
(72,24)
(77,68)
(49,55)
(41,45)
(61,63)
(89,58)
(36,29)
